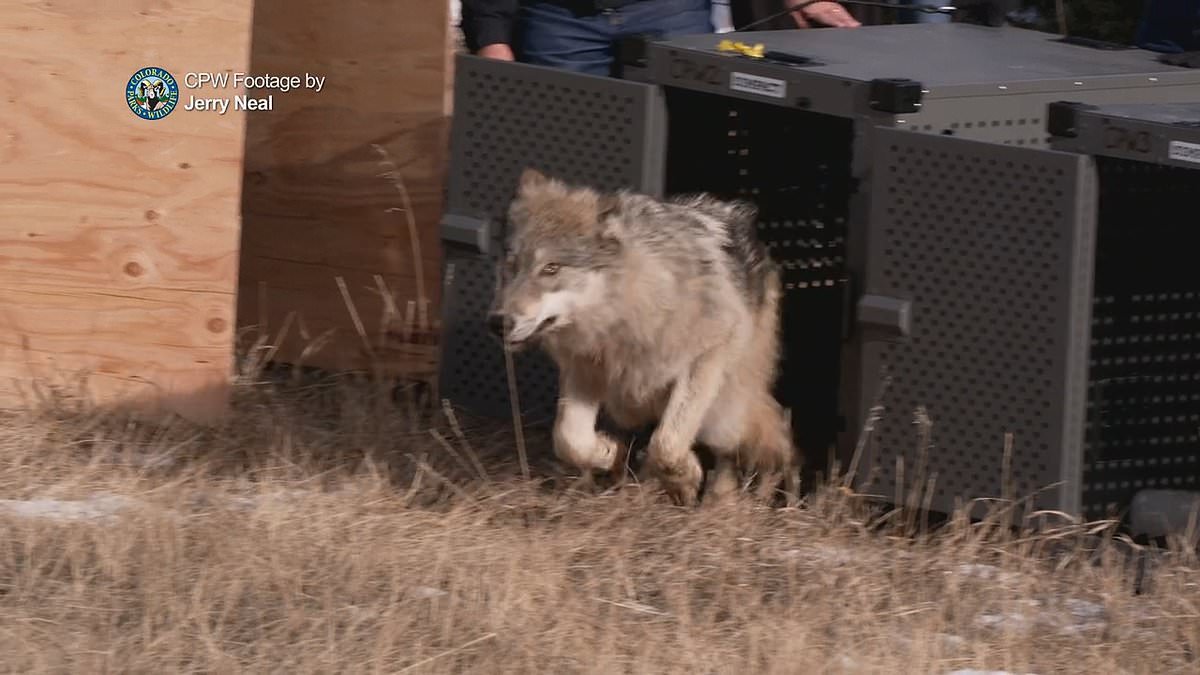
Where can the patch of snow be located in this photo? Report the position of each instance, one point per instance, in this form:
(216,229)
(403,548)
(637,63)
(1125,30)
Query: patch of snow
(987,572)
(1083,609)
(982,672)
(425,592)
(361,613)
(1080,616)
(950,641)
(96,507)
(848,663)
(153,461)
(275,498)
(1007,620)
(1086,616)
(824,553)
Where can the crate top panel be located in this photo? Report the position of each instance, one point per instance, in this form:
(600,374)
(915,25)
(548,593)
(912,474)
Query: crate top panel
(1156,133)
(946,59)
(1180,115)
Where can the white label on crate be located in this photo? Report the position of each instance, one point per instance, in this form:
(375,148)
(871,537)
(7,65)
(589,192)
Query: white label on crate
(756,84)
(1184,152)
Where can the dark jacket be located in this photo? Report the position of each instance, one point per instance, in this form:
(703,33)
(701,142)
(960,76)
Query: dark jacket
(486,22)
(1170,26)
(745,12)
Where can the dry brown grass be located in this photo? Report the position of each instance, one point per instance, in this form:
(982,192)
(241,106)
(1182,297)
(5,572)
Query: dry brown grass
(300,537)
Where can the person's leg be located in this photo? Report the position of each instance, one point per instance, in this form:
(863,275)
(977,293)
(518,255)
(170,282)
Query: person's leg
(551,35)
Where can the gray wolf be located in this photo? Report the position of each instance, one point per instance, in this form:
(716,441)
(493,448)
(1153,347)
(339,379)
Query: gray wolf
(659,312)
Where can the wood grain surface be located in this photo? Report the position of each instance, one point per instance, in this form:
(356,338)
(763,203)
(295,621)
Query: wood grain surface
(118,236)
(323,227)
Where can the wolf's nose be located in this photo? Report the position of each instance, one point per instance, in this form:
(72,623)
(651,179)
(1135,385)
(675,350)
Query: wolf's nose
(495,322)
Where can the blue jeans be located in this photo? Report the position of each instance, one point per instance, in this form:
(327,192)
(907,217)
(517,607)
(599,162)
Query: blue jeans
(551,35)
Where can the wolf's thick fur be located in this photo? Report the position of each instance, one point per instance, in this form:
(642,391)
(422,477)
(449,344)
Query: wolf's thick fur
(656,311)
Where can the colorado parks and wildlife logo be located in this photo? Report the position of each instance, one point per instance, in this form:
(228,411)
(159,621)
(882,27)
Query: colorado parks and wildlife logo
(152,93)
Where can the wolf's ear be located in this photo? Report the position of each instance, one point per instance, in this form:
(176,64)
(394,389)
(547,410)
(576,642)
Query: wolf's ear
(531,178)
(611,227)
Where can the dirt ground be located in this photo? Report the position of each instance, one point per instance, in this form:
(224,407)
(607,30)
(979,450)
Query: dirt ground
(325,529)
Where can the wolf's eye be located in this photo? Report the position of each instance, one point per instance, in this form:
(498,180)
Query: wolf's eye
(550,269)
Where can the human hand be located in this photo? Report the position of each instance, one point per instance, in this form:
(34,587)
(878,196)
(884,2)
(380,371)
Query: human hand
(823,13)
(499,51)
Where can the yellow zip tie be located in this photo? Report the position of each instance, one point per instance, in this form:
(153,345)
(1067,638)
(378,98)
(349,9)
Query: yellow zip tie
(742,48)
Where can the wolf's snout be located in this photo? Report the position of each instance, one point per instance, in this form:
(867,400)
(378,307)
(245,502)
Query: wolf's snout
(495,323)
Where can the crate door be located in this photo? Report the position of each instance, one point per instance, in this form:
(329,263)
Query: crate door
(1144,426)
(982,254)
(596,131)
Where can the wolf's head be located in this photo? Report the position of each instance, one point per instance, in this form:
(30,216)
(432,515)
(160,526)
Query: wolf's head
(562,244)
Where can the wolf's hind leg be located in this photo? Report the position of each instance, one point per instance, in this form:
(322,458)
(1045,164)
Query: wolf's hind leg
(725,479)
(671,454)
(723,431)
(775,457)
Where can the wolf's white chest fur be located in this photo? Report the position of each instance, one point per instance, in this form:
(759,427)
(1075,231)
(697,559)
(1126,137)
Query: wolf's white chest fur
(639,383)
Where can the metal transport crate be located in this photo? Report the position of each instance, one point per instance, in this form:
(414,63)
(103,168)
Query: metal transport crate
(974,303)
(957,79)
(1143,425)
(1045,293)
(808,142)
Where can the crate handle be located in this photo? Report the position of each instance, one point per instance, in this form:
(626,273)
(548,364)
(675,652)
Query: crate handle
(888,317)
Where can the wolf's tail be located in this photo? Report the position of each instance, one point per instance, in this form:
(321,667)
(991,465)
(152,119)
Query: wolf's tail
(776,448)
(767,319)
(769,449)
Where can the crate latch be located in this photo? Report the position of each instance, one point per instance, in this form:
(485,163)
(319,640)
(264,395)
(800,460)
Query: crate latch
(466,231)
(884,317)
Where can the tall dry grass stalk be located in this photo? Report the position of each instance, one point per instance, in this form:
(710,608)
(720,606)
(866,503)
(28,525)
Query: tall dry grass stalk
(312,533)
(392,173)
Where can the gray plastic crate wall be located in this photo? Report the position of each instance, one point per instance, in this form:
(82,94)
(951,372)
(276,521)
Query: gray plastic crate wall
(980,241)
(1144,395)
(1017,119)
(989,246)
(597,131)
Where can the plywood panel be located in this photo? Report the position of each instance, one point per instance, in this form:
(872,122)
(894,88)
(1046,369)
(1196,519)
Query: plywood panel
(316,206)
(118,235)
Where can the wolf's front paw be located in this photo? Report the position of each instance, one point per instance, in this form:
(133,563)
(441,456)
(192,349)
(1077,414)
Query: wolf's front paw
(680,478)
(587,452)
